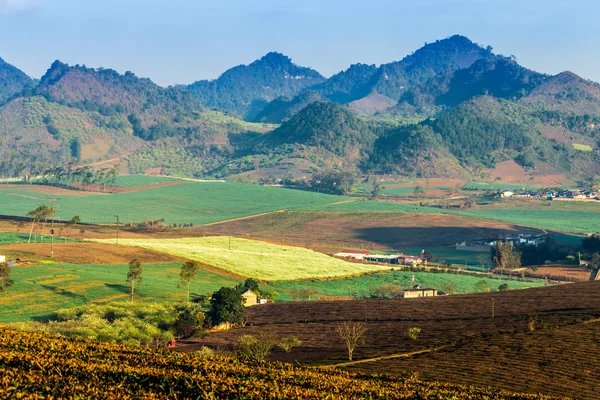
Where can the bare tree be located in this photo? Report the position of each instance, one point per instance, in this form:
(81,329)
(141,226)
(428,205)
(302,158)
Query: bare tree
(39,214)
(5,281)
(351,333)
(507,257)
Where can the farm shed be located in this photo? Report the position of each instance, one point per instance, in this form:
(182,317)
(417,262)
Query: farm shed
(356,254)
(382,258)
(252,299)
(416,291)
(2,259)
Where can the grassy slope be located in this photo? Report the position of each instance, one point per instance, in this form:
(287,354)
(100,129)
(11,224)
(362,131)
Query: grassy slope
(363,285)
(255,259)
(190,202)
(131,181)
(41,289)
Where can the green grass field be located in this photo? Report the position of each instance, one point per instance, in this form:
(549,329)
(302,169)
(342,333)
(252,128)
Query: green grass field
(131,181)
(256,259)
(189,202)
(362,286)
(22,237)
(41,289)
(582,147)
(575,217)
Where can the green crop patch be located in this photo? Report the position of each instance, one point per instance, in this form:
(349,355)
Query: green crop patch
(581,147)
(252,258)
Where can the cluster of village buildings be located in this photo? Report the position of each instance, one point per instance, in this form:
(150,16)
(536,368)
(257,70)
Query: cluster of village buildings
(484,245)
(551,195)
(400,259)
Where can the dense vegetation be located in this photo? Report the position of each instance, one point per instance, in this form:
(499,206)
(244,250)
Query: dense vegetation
(246,89)
(33,364)
(12,80)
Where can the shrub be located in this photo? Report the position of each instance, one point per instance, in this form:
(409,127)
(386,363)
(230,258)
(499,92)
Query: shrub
(414,333)
(288,343)
(254,348)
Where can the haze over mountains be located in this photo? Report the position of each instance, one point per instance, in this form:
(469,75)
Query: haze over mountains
(452,108)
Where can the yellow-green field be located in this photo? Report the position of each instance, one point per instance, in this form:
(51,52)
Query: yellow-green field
(252,258)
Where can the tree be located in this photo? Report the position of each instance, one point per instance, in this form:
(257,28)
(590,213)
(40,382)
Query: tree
(251,284)
(255,348)
(287,343)
(506,256)
(334,182)
(73,221)
(187,322)
(351,333)
(482,286)
(5,281)
(134,274)
(226,306)
(414,333)
(418,191)
(39,214)
(76,149)
(450,288)
(503,286)
(189,271)
(595,263)
(377,188)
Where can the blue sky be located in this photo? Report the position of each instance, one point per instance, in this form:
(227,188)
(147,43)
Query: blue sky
(180,41)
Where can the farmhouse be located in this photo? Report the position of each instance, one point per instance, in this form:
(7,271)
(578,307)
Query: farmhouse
(252,299)
(2,259)
(356,254)
(382,258)
(416,291)
(411,260)
(507,193)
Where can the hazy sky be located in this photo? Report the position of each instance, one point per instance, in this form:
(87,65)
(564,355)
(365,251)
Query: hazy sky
(180,41)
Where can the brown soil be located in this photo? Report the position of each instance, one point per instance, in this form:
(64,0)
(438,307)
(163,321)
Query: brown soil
(85,253)
(432,182)
(511,172)
(329,231)
(58,192)
(575,273)
(560,357)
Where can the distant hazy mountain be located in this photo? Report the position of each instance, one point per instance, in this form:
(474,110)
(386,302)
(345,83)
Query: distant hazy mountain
(12,80)
(246,89)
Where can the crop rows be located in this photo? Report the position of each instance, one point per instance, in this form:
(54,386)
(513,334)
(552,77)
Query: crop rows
(40,366)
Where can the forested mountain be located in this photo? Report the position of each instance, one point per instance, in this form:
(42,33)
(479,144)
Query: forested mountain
(12,80)
(370,88)
(452,108)
(567,92)
(283,108)
(246,89)
(498,77)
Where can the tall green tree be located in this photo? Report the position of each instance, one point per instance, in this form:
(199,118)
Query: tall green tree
(5,281)
(189,271)
(39,214)
(134,274)
(227,306)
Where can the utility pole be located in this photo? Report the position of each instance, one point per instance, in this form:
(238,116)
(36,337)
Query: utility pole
(52,232)
(117,241)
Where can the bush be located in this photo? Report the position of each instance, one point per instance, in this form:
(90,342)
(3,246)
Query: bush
(414,333)
(254,349)
(288,343)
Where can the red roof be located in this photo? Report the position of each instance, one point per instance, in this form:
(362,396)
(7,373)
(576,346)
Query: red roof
(364,253)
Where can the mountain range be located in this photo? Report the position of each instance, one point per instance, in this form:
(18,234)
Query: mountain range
(452,108)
